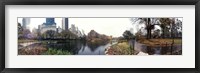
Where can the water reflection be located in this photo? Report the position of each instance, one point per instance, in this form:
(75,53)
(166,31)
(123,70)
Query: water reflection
(78,47)
(159,50)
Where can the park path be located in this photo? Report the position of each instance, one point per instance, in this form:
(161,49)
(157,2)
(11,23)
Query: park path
(22,45)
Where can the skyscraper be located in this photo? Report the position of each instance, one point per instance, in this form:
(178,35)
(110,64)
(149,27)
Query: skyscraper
(25,23)
(50,21)
(49,25)
(65,23)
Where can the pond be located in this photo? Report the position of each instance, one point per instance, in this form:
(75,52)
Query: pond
(80,47)
(76,47)
(158,50)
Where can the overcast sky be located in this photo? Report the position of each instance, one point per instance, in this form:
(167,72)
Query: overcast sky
(107,26)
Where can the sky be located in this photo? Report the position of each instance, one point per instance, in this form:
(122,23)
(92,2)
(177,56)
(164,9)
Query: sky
(34,22)
(108,26)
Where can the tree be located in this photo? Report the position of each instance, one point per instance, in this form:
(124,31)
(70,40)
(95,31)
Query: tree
(143,21)
(128,35)
(49,34)
(149,24)
(68,35)
(156,34)
(165,25)
(64,34)
(26,34)
(20,31)
(178,28)
(170,26)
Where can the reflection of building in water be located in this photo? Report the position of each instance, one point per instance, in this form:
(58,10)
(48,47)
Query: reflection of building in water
(26,22)
(49,25)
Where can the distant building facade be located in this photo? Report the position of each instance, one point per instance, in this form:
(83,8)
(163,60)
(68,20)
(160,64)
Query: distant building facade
(59,30)
(49,25)
(25,23)
(75,30)
(50,21)
(34,32)
(65,23)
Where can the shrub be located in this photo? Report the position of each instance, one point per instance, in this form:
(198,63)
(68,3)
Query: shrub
(52,51)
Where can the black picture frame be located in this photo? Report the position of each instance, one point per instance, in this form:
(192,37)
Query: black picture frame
(3,3)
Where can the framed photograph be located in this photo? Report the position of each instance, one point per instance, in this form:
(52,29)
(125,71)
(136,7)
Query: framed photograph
(148,36)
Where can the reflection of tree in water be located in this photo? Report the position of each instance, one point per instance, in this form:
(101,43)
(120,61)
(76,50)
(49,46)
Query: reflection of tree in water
(171,50)
(94,46)
(72,46)
(157,50)
(150,50)
(164,50)
(78,45)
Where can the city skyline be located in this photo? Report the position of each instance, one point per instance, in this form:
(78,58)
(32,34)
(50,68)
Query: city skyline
(34,22)
(101,36)
(25,22)
(101,25)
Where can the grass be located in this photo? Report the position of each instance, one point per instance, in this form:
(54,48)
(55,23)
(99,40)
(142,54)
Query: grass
(122,48)
(153,42)
(52,51)
(24,41)
(39,50)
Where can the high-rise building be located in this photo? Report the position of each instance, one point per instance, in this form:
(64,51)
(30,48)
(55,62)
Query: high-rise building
(49,25)
(73,28)
(25,23)
(59,30)
(65,23)
(39,27)
(50,21)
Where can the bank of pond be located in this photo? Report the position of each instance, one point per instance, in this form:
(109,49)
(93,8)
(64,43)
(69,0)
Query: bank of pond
(81,47)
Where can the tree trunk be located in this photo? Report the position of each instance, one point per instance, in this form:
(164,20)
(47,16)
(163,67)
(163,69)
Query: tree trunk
(172,34)
(163,33)
(148,28)
(147,34)
(150,33)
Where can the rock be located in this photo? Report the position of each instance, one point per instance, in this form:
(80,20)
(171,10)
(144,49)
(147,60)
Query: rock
(93,34)
(141,53)
(96,38)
